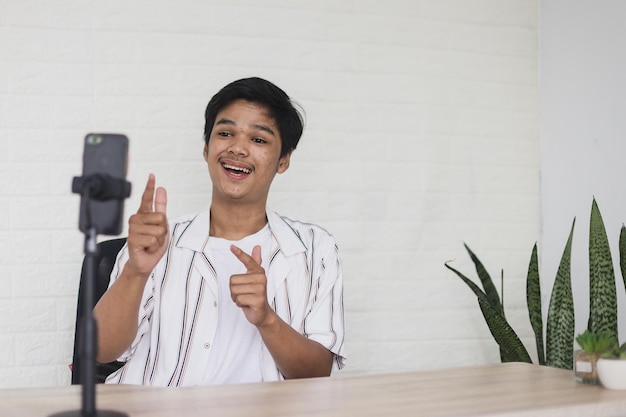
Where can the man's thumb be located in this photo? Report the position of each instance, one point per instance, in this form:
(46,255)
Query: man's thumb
(256,254)
(160,200)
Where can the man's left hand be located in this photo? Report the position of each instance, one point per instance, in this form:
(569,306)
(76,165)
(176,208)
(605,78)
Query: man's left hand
(249,290)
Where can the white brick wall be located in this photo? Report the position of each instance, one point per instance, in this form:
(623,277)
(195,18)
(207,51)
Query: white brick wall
(422,133)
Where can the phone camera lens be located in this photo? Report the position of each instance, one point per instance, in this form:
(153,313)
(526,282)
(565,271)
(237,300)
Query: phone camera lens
(94,139)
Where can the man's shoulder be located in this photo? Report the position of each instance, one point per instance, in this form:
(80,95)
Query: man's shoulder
(301,225)
(305,231)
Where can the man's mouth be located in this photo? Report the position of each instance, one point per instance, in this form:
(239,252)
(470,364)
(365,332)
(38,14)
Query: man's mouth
(237,170)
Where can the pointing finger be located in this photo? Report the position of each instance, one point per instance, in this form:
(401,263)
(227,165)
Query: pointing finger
(249,262)
(147,198)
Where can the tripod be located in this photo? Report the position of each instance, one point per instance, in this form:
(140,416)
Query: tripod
(100,188)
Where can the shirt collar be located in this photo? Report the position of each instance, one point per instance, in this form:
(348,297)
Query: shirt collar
(195,233)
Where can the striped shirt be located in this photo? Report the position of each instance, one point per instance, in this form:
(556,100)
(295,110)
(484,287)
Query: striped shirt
(178,317)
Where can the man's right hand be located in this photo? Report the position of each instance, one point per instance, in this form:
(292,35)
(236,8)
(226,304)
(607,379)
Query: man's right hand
(118,310)
(148,231)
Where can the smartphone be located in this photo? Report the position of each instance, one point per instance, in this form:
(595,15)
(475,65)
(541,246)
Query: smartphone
(105,154)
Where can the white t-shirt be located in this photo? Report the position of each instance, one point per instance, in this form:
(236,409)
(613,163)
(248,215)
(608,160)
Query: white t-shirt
(235,353)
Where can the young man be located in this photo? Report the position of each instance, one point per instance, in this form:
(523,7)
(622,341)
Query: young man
(235,294)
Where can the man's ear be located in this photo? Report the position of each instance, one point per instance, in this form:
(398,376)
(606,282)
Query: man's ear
(283,163)
(205,152)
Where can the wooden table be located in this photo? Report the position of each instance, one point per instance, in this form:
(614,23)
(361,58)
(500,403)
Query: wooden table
(512,389)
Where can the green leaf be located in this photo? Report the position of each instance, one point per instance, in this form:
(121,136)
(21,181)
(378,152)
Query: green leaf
(503,333)
(475,288)
(511,353)
(486,281)
(560,325)
(533,300)
(604,342)
(502,290)
(622,253)
(478,292)
(602,294)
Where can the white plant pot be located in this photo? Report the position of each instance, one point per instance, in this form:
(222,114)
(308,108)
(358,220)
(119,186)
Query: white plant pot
(612,373)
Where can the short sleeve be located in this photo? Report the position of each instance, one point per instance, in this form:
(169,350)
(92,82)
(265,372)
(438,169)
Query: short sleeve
(325,322)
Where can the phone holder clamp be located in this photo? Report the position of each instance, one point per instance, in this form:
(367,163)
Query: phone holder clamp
(101,187)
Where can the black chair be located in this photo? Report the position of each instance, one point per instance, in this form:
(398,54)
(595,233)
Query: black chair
(105,260)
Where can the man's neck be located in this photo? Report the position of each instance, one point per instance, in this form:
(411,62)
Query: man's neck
(234,222)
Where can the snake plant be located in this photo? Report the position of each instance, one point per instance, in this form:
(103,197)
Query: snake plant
(558,348)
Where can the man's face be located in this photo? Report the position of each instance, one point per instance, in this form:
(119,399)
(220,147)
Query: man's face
(243,153)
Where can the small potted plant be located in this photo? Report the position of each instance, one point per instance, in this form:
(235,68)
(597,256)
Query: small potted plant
(612,367)
(593,346)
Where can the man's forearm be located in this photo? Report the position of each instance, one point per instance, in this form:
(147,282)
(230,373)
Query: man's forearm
(295,355)
(116,316)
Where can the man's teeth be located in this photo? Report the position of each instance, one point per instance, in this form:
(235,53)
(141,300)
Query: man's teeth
(239,169)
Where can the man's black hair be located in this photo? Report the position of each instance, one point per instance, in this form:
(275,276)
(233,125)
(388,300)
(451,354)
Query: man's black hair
(289,119)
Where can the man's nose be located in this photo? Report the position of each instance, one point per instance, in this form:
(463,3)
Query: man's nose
(238,146)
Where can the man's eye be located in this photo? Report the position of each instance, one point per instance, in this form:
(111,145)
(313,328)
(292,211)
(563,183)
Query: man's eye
(259,140)
(224,134)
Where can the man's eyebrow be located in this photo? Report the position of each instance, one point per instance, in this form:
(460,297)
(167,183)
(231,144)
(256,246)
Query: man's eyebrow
(265,129)
(230,122)
(225,121)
